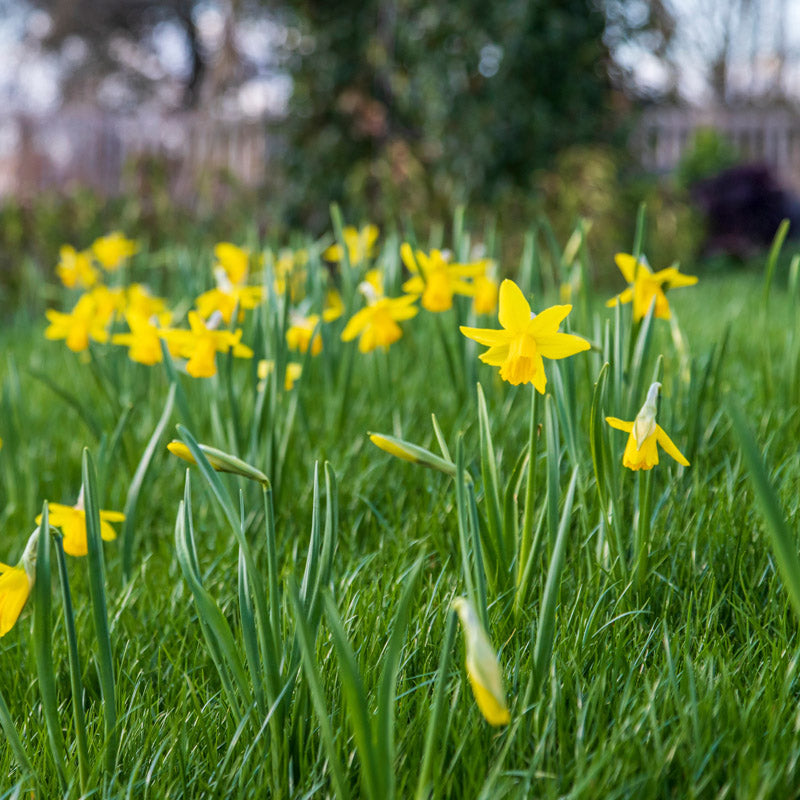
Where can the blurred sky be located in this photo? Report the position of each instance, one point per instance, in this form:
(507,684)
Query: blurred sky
(764,55)
(31,76)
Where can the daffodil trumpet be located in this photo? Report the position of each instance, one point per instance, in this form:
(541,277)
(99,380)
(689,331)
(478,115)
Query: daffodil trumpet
(16,584)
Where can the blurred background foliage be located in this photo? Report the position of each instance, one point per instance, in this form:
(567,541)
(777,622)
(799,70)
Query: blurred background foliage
(400,111)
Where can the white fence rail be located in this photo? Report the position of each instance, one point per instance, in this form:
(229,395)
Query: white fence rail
(771,136)
(90,148)
(87,147)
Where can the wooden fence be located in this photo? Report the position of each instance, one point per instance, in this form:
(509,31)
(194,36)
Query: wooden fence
(87,147)
(769,136)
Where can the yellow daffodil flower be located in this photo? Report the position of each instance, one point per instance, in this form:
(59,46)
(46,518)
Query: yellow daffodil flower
(486,290)
(641,451)
(525,338)
(376,323)
(84,322)
(109,302)
(291,375)
(289,269)
(16,584)
(483,669)
(437,280)
(299,333)
(202,342)
(112,250)
(647,286)
(360,245)
(143,341)
(72,521)
(226,297)
(374,277)
(139,301)
(334,306)
(75,269)
(233,260)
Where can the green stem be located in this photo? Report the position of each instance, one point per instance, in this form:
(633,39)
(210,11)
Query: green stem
(642,543)
(530,491)
(74,668)
(529,545)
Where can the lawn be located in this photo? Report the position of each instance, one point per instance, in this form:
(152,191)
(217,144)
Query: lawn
(294,637)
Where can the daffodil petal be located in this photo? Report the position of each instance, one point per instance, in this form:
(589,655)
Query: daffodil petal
(547,321)
(406,312)
(487,336)
(495,356)
(407,255)
(515,311)
(669,446)
(355,324)
(620,424)
(625,296)
(539,377)
(627,266)
(561,345)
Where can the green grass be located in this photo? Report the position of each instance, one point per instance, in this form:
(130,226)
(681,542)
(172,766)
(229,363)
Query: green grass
(686,685)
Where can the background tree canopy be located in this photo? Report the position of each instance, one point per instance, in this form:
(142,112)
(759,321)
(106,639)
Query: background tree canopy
(397,106)
(464,100)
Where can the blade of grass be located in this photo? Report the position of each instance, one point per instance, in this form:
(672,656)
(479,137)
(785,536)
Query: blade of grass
(43,649)
(781,535)
(356,701)
(545,634)
(498,561)
(772,261)
(135,488)
(14,742)
(433,734)
(97,592)
(387,685)
(314,681)
(76,682)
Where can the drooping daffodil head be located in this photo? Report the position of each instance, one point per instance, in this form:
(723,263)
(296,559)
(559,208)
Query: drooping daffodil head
(16,584)
(483,668)
(641,451)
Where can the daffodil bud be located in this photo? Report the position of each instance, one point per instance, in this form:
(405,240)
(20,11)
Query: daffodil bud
(411,452)
(483,669)
(220,461)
